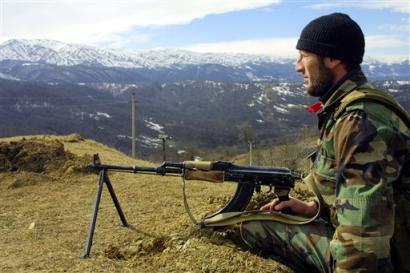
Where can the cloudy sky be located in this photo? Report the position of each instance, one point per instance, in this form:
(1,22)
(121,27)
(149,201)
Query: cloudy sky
(233,26)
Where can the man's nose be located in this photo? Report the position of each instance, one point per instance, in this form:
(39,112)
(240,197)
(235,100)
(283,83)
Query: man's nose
(298,66)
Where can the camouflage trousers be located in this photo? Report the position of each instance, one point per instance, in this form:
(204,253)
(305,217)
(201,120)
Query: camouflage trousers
(304,248)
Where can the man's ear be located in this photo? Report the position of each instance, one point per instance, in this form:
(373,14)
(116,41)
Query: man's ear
(332,63)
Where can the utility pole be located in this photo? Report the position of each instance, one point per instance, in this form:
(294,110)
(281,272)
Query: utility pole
(250,153)
(164,138)
(133,101)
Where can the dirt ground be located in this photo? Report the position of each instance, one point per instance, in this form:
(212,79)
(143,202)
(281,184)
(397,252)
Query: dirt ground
(46,197)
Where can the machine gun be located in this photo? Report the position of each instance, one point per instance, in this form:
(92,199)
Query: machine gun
(249,179)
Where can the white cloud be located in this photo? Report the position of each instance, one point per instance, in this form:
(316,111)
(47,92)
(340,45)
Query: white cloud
(376,47)
(402,6)
(98,21)
(388,48)
(390,58)
(123,41)
(385,41)
(278,47)
(403,26)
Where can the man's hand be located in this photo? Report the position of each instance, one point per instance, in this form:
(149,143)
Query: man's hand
(307,209)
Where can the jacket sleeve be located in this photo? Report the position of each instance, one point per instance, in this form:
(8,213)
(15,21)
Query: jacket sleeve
(364,205)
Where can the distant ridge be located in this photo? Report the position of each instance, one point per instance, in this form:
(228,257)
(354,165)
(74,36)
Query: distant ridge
(58,53)
(54,61)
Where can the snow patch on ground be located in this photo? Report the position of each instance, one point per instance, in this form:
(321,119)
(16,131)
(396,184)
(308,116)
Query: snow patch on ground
(99,115)
(149,142)
(154,126)
(281,109)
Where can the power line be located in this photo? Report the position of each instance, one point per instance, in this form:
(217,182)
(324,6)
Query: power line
(133,125)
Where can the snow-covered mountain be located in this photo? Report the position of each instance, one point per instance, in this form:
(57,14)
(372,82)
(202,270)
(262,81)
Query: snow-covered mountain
(58,53)
(53,61)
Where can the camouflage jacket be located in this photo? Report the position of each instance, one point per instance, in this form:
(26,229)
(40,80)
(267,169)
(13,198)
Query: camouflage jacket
(362,170)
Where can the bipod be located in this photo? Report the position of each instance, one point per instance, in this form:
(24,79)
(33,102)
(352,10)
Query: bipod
(103,179)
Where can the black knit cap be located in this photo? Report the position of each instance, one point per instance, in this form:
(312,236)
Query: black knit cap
(335,35)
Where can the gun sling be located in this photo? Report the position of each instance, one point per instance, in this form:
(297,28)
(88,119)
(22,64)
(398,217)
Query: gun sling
(231,218)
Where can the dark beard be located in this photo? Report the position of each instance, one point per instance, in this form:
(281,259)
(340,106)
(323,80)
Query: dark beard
(323,82)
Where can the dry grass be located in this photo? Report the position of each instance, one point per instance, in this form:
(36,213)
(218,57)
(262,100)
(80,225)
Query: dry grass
(44,219)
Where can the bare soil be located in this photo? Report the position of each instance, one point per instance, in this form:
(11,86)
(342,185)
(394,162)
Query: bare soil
(46,197)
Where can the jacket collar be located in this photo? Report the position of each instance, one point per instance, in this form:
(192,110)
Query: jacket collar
(356,76)
(351,81)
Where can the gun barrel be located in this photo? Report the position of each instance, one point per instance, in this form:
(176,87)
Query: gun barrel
(165,168)
(243,174)
(124,168)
